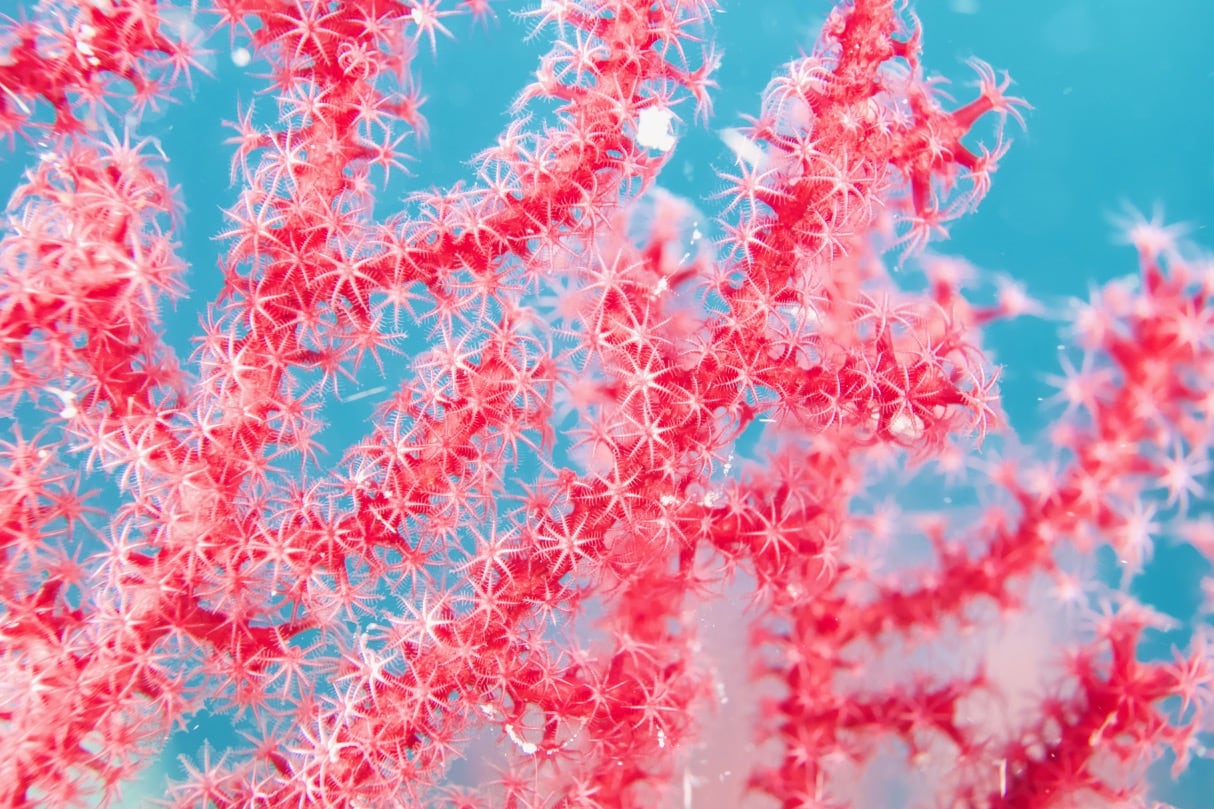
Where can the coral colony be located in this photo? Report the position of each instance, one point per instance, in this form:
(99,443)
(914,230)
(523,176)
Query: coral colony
(651,511)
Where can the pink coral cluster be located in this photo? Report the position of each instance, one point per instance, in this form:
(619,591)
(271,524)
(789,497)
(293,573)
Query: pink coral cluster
(498,596)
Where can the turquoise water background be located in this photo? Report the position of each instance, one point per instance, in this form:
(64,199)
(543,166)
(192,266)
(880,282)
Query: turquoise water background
(1123,97)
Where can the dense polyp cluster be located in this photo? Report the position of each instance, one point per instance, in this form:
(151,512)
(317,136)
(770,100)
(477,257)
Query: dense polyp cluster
(566,444)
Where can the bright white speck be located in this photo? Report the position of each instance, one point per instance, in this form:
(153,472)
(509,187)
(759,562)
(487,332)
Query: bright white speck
(527,747)
(746,149)
(68,398)
(655,129)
